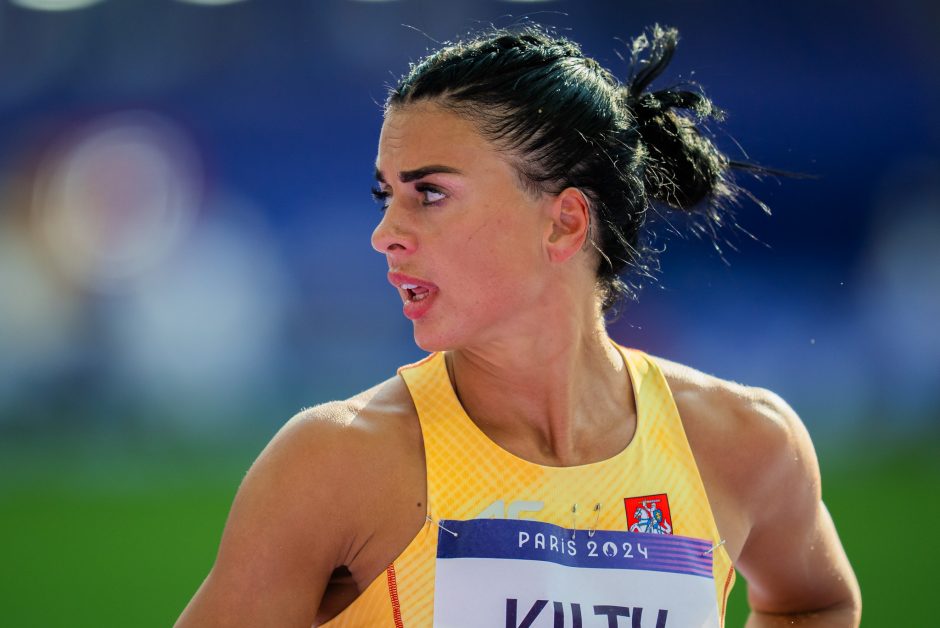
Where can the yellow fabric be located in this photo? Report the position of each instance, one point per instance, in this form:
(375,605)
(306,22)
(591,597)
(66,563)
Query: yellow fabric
(468,475)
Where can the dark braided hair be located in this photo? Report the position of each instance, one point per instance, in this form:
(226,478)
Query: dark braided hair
(568,122)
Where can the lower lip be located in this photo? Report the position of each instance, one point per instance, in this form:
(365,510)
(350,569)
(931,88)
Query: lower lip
(416,309)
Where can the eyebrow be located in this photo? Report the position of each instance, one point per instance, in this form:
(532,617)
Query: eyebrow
(407,176)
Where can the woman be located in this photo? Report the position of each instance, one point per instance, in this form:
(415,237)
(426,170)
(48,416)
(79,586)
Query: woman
(530,472)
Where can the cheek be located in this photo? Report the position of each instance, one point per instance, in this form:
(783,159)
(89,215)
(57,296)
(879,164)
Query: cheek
(501,260)
(518,246)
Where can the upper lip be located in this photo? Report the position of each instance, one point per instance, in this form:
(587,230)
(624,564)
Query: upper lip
(399,280)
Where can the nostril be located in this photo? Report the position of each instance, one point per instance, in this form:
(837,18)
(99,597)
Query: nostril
(389,239)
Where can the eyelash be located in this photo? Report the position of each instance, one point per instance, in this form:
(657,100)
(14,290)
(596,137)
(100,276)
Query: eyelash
(381,196)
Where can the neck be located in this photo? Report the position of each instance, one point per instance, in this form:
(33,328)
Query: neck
(559,398)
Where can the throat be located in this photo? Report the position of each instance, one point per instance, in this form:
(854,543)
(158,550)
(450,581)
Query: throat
(585,425)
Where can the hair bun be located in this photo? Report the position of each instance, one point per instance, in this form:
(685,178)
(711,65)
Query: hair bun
(683,167)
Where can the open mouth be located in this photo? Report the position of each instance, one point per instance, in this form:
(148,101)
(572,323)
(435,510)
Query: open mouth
(415,292)
(418,295)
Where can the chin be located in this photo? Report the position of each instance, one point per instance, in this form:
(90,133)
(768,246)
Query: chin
(431,343)
(430,338)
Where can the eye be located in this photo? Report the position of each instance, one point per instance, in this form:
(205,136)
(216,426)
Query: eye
(381,197)
(431,194)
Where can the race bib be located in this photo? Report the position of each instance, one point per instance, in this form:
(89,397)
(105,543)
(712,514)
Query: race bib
(521,574)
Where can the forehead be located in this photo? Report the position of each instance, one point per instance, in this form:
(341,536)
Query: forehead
(417,134)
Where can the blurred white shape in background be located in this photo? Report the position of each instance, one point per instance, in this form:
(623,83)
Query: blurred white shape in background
(176,304)
(901,287)
(114,199)
(38,320)
(200,336)
(54,5)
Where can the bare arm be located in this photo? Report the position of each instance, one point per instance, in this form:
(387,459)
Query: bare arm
(288,529)
(793,561)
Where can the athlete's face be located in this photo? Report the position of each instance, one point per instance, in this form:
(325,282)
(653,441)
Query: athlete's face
(462,238)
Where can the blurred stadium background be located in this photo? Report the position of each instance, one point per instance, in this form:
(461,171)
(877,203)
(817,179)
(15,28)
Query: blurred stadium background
(185,263)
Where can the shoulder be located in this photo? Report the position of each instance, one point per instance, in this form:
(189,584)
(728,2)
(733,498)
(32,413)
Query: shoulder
(365,452)
(751,447)
(353,446)
(316,499)
(690,385)
(762,477)
(728,415)
(328,463)
(358,425)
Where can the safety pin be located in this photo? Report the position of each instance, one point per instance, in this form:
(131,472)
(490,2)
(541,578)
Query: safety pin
(597,516)
(709,551)
(574,521)
(438,524)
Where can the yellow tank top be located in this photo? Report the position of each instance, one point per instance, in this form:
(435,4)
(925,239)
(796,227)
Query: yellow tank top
(630,539)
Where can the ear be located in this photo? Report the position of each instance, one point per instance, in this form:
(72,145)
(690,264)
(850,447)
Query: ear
(570,223)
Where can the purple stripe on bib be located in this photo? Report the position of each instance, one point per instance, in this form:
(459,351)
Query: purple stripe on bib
(603,549)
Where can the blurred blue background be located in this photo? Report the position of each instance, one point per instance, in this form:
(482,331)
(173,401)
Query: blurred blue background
(185,259)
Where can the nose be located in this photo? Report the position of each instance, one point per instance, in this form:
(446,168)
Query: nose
(391,235)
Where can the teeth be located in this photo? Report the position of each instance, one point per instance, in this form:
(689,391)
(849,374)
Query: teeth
(408,286)
(419,297)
